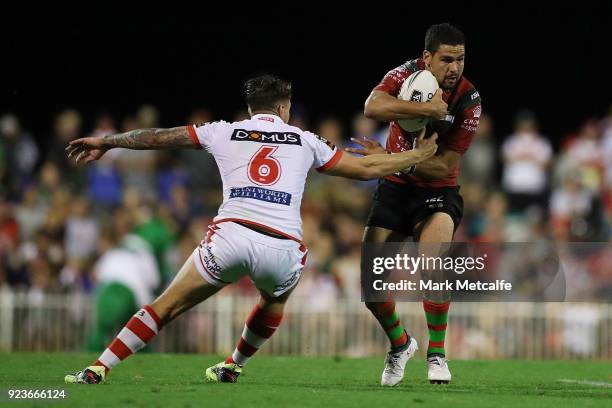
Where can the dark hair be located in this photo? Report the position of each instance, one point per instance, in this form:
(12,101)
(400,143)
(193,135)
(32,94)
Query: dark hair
(265,91)
(444,33)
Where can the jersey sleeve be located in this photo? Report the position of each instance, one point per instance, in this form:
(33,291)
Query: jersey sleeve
(460,137)
(204,135)
(325,153)
(393,80)
(461,134)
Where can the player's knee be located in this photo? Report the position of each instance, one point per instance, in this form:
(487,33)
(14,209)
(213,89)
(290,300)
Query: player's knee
(273,304)
(267,300)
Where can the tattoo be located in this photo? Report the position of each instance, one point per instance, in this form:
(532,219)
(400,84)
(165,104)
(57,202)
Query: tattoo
(151,139)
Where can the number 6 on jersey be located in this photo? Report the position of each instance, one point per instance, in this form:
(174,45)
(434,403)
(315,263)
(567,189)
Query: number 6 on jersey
(264,169)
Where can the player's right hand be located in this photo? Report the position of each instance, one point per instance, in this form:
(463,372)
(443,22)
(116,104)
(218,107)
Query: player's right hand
(370,146)
(86,149)
(437,106)
(426,147)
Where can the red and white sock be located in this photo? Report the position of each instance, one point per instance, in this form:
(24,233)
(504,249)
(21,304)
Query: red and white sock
(138,331)
(259,327)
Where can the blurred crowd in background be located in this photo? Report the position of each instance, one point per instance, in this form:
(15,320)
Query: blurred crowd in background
(57,218)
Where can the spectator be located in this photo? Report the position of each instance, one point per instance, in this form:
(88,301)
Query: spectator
(81,231)
(20,155)
(104,181)
(170,174)
(478,164)
(575,211)
(366,128)
(331,129)
(199,166)
(66,127)
(526,156)
(585,156)
(31,213)
(10,261)
(49,180)
(607,161)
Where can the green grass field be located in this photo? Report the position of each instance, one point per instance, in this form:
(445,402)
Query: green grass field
(172,380)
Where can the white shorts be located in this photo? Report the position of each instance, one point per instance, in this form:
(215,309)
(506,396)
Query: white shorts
(231,251)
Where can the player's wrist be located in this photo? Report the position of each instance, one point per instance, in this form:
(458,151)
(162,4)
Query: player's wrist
(420,155)
(429,110)
(410,170)
(106,142)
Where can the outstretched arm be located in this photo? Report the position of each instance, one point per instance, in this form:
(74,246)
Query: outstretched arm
(89,149)
(380,165)
(151,139)
(434,168)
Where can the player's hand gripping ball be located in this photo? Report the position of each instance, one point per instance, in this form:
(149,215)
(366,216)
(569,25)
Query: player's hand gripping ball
(418,87)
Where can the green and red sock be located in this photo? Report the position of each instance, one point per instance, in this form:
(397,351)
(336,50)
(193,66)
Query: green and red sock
(389,320)
(436,315)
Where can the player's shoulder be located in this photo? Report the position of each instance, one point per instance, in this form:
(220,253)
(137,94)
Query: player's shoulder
(313,139)
(394,78)
(294,129)
(467,88)
(467,94)
(414,65)
(409,67)
(213,124)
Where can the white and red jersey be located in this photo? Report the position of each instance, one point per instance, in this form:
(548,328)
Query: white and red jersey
(263,164)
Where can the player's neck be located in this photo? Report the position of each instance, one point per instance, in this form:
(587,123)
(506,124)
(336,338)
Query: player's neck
(265,112)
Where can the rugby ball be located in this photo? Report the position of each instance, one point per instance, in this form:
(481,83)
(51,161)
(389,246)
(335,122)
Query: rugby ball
(418,87)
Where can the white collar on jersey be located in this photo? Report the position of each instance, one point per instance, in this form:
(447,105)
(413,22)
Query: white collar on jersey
(267,117)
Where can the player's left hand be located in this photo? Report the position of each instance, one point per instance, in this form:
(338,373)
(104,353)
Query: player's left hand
(370,147)
(86,149)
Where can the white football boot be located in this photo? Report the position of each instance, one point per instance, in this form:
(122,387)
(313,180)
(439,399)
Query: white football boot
(438,372)
(395,364)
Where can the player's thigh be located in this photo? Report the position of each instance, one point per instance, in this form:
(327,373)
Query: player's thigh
(436,228)
(373,242)
(381,235)
(439,215)
(224,256)
(187,289)
(389,211)
(378,242)
(278,268)
(435,241)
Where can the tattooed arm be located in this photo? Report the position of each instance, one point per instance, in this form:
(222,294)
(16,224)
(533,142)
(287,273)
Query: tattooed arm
(150,139)
(89,149)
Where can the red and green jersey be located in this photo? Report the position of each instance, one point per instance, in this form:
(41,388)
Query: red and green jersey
(455,132)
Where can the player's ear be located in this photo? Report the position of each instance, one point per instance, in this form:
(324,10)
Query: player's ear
(427,56)
(283,110)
